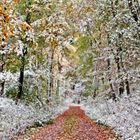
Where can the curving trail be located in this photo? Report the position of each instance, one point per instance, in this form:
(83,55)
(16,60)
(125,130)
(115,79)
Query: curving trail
(73,124)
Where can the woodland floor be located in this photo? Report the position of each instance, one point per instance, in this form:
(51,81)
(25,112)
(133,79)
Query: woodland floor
(73,124)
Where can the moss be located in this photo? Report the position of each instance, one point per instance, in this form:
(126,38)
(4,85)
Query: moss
(69,123)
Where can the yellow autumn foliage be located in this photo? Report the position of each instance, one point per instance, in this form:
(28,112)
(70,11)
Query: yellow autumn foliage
(25,26)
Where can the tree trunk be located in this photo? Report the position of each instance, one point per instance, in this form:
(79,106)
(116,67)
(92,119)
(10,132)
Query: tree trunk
(3,82)
(121,88)
(113,95)
(21,78)
(48,77)
(59,71)
(126,80)
(24,51)
(2,88)
(118,62)
(127,87)
(51,71)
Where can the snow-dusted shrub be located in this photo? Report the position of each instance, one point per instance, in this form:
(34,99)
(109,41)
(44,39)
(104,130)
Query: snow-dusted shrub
(15,118)
(123,115)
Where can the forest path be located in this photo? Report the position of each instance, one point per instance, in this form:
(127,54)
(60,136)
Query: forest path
(73,124)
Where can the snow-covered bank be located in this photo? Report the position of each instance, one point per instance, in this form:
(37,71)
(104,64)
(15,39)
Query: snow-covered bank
(123,115)
(15,118)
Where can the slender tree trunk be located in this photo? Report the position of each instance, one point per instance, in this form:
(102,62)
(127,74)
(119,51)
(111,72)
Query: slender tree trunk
(113,95)
(118,62)
(2,69)
(24,51)
(41,104)
(117,58)
(127,86)
(121,85)
(58,87)
(49,77)
(95,80)
(21,79)
(126,80)
(51,71)
(59,71)
(121,88)
(2,88)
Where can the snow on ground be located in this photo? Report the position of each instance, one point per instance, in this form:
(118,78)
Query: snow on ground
(15,118)
(123,115)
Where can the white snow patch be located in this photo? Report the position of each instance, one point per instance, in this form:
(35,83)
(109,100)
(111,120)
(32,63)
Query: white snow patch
(123,115)
(15,118)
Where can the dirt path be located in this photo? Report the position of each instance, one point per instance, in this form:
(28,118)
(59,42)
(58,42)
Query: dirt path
(73,124)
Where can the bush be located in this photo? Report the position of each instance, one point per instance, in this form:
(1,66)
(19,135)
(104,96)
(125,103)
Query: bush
(11,92)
